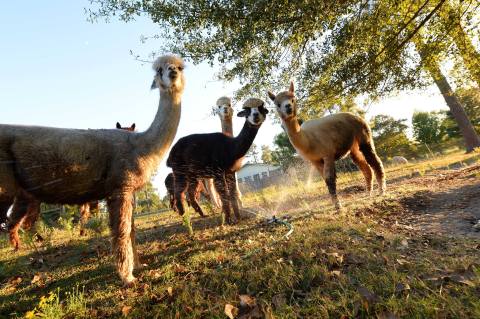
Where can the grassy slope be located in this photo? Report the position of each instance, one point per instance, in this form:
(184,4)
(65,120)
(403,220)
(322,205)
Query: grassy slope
(350,265)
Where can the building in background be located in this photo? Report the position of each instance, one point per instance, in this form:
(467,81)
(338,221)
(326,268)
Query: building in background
(254,176)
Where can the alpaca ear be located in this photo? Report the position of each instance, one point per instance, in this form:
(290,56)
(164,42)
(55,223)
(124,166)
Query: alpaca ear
(263,110)
(271,96)
(154,85)
(132,127)
(291,89)
(119,126)
(243,113)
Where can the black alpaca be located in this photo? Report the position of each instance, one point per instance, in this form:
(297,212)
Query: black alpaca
(216,156)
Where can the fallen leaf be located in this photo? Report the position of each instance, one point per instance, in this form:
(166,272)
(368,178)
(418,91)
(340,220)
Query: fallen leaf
(36,278)
(180,269)
(231,311)
(335,273)
(126,310)
(247,301)
(338,257)
(170,291)
(402,261)
(460,279)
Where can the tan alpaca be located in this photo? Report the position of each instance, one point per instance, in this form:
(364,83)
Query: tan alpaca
(324,140)
(68,166)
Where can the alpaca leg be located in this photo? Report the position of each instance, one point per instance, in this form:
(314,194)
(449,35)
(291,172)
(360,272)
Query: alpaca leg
(374,161)
(213,193)
(331,181)
(203,190)
(192,192)
(179,192)
(233,195)
(238,193)
(84,215)
(19,213)
(360,161)
(171,198)
(33,212)
(221,187)
(120,212)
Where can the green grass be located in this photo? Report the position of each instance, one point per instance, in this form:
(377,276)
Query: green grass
(350,265)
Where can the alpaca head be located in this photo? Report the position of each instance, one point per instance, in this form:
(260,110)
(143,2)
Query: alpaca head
(130,129)
(285,103)
(168,73)
(224,108)
(254,111)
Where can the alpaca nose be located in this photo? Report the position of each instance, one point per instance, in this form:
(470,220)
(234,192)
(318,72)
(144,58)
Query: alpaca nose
(173,74)
(288,108)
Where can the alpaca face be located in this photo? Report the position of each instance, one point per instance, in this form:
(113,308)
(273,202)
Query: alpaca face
(285,103)
(224,108)
(225,112)
(254,111)
(286,108)
(169,73)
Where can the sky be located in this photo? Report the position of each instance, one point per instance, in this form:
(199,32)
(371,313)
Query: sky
(57,69)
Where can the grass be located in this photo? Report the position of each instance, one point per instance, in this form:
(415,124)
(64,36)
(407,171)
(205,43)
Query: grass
(356,264)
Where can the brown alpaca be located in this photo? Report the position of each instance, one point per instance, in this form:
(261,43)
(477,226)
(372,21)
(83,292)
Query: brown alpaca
(67,166)
(34,210)
(322,141)
(87,208)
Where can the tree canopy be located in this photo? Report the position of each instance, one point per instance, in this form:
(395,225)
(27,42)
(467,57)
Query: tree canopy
(333,48)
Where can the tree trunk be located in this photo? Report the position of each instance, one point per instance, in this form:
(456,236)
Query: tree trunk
(470,56)
(472,140)
(432,66)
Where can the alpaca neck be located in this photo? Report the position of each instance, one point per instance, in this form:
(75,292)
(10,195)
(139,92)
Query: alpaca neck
(295,134)
(227,126)
(155,141)
(245,139)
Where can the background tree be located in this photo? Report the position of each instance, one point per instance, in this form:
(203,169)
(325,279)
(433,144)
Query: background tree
(283,153)
(470,98)
(333,49)
(266,154)
(390,138)
(428,128)
(148,200)
(253,154)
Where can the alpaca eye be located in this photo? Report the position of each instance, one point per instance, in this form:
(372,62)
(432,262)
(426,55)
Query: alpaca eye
(160,72)
(180,68)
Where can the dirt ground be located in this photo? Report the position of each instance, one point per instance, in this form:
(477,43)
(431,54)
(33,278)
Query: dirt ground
(448,205)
